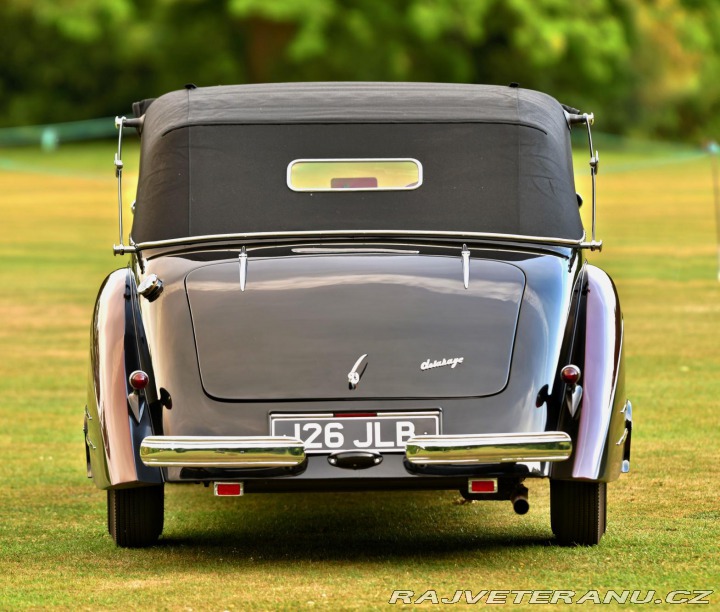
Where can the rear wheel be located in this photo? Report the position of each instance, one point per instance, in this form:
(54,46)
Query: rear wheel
(578,511)
(135,516)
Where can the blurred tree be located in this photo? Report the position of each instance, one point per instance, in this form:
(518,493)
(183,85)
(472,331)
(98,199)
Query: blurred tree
(87,58)
(644,65)
(578,51)
(676,67)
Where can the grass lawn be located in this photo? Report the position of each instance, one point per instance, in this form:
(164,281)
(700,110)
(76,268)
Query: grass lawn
(350,551)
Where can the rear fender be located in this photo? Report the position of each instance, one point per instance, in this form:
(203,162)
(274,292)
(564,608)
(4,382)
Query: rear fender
(114,429)
(601,441)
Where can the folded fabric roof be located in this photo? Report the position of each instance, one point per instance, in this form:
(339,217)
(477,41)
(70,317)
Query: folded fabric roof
(495,159)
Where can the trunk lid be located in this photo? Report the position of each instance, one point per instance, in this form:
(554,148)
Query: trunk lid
(303,322)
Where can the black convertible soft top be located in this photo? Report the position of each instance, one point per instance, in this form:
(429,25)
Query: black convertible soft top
(495,159)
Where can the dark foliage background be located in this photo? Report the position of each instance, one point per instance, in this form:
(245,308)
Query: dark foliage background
(648,66)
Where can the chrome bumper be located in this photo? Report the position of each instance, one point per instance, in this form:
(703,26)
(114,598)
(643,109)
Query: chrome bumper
(222,451)
(271,452)
(488,448)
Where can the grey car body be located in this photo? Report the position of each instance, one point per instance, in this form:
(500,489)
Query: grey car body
(270,334)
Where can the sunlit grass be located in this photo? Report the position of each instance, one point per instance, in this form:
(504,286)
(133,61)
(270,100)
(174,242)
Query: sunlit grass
(349,551)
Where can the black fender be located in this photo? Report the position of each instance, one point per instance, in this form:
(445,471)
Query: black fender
(602,426)
(117,419)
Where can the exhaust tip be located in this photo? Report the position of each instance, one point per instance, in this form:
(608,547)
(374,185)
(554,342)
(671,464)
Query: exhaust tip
(519,500)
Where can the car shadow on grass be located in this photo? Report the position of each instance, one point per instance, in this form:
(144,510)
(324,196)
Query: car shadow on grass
(357,526)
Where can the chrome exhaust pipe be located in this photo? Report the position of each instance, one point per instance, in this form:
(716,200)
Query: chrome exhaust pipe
(519,500)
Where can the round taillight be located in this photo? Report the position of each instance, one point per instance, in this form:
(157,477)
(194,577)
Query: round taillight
(570,374)
(139,380)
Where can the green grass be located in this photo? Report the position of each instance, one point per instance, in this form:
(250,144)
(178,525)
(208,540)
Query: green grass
(349,551)
(88,160)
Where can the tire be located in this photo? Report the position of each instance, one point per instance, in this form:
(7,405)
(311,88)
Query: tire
(578,511)
(135,516)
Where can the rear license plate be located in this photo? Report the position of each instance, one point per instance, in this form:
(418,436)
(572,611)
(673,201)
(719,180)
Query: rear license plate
(381,432)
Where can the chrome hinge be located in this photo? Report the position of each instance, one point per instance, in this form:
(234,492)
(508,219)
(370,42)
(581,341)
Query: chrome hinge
(466,265)
(243,258)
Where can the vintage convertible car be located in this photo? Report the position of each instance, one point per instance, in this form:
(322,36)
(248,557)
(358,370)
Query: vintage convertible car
(357,286)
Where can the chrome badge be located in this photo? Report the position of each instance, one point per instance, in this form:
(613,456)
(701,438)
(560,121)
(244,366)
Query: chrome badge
(452,362)
(354,375)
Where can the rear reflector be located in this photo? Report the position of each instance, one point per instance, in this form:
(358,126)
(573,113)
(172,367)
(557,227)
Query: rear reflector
(485,485)
(228,489)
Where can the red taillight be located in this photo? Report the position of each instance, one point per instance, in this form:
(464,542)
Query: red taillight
(139,380)
(228,489)
(485,485)
(570,374)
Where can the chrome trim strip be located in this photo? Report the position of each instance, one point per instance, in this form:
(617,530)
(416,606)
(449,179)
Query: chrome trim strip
(466,265)
(351,250)
(482,236)
(222,451)
(243,268)
(356,159)
(488,448)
